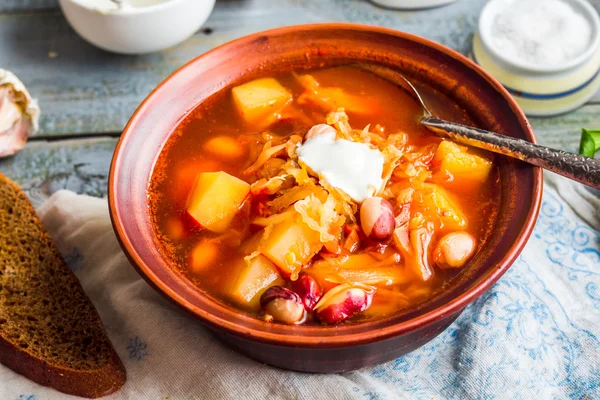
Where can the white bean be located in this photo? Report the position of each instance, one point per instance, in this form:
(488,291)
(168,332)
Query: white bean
(453,250)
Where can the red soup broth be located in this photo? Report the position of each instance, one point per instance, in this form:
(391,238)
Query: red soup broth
(216,137)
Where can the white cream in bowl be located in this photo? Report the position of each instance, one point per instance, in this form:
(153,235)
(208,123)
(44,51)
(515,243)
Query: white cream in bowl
(353,167)
(136,26)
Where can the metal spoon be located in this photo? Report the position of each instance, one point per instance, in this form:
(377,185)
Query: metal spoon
(579,168)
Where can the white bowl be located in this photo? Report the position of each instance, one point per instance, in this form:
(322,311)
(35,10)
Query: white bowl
(136,30)
(493,7)
(412,4)
(542,90)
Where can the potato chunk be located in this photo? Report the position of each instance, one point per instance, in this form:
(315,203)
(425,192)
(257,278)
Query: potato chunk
(291,244)
(437,205)
(260,99)
(454,160)
(251,280)
(215,199)
(251,244)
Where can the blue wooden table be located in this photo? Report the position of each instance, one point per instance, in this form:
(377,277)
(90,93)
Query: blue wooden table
(87,95)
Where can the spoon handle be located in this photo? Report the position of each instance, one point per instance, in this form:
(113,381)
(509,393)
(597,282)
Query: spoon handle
(579,168)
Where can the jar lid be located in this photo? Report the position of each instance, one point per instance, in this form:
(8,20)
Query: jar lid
(495,7)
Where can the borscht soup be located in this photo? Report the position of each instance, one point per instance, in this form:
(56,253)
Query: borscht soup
(316,197)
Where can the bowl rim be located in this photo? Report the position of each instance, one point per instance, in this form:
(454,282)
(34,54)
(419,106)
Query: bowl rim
(490,10)
(453,306)
(132,11)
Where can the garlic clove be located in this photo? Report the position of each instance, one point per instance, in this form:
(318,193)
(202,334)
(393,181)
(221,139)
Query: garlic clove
(19,114)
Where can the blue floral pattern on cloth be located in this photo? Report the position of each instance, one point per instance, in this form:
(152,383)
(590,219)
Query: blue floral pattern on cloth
(138,349)
(534,335)
(74,258)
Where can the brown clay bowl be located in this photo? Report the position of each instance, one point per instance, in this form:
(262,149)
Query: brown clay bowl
(322,348)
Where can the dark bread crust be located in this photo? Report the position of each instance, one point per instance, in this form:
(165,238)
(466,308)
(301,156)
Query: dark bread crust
(91,384)
(67,348)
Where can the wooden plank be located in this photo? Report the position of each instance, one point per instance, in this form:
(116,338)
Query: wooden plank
(42,167)
(564,132)
(8,6)
(85,90)
(82,89)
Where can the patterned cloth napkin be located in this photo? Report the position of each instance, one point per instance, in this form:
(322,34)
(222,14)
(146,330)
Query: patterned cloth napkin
(534,335)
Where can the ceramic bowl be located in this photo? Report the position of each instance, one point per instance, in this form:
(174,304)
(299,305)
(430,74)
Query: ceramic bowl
(136,30)
(542,90)
(322,348)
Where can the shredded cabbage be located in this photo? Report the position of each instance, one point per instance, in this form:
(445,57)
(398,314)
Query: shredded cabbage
(292,145)
(266,232)
(251,257)
(300,173)
(339,120)
(273,219)
(290,196)
(391,157)
(267,152)
(367,137)
(343,203)
(268,186)
(321,217)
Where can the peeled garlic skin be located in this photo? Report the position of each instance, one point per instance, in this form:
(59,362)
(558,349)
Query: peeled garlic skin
(14,138)
(18,114)
(345,305)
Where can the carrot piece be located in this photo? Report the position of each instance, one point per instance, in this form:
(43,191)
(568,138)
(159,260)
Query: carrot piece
(175,228)
(333,247)
(225,147)
(352,242)
(203,255)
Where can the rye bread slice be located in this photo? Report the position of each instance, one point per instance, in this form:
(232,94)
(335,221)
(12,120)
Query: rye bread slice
(50,331)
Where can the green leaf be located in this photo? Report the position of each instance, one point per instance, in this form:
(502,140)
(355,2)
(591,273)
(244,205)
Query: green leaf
(590,142)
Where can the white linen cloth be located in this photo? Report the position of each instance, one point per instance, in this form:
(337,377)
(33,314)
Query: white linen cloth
(534,335)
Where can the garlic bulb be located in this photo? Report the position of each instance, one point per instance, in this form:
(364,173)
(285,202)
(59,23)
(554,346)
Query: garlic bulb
(19,114)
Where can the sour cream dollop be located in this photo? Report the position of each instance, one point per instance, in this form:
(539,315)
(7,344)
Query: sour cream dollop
(350,166)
